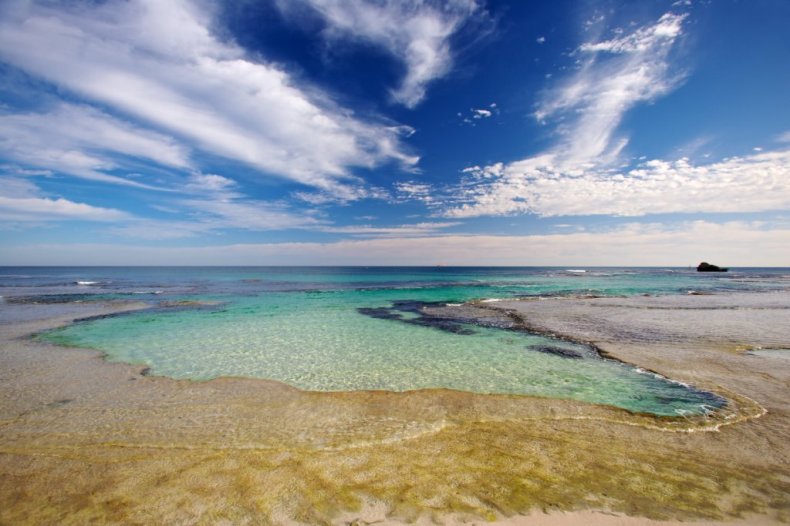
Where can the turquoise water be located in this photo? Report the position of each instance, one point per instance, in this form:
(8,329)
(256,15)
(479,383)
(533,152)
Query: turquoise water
(309,328)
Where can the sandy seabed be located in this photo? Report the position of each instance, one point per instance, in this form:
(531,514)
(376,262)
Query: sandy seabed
(87,441)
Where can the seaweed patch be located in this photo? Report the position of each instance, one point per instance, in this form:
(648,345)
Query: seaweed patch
(398,308)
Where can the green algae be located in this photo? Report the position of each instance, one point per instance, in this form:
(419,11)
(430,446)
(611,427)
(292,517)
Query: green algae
(483,470)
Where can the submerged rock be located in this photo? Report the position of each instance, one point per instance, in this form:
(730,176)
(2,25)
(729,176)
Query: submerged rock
(707,267)
(422,318)
(557,351)
(381,313)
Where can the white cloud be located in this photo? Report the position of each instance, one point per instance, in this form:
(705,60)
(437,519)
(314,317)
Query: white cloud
(162,63)
(693,148)
(575,176)
(617,74)
(411,230)
(154,230)
(248,214)
(210,183)
(784,137)
(12,169)
(212,214)
(485,172)
(476,114)
(540,40)
(414,191)
(342,195)
(38,209)
(217,205)
(641,40)
(417,32)
(84,142)
(21,200)
(731,244)
(753,183)
(17,188)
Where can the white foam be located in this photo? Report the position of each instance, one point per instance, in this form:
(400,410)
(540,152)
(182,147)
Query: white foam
(86,282)
(576,271)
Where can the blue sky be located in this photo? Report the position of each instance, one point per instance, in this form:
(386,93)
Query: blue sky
(461,132)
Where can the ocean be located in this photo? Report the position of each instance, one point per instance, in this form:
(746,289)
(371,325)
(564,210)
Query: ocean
(361,328)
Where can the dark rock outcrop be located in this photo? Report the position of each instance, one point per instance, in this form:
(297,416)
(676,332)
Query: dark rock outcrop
(556,351)
(422,318)
(707,267)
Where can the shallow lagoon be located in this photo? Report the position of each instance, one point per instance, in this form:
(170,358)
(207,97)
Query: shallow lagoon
(309,329)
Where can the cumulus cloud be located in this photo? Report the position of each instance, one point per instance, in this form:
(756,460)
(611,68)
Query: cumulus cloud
(732,243)
(417,32)
(22,201)
(164,64)
(753,183)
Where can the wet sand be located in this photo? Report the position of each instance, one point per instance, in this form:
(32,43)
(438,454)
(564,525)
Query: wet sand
(83,440)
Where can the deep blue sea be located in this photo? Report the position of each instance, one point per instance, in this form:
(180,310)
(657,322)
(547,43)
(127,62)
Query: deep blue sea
(314,328)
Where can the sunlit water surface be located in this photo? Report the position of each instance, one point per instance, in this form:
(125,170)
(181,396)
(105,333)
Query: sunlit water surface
(307,327)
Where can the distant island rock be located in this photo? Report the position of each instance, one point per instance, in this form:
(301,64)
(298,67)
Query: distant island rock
(707,267)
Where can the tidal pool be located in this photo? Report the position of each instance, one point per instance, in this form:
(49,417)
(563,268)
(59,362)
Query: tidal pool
(347,340)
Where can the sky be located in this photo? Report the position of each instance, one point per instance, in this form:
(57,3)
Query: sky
(394,132)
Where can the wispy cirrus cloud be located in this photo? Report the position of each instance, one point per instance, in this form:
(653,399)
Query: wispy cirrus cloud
(633,244)
(417,32)
(614,76)
(215,203)
(577,175)
(411,230)
(84,142)
(163,64)
(22,201)
(210,217)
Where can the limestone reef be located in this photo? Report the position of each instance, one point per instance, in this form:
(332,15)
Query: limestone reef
(83,440)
